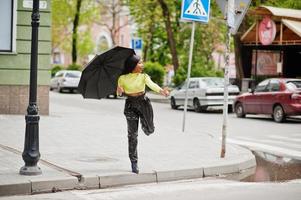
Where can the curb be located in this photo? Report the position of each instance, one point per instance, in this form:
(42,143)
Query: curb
(236,171)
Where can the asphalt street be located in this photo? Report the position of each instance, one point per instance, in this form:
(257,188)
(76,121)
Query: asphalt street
(188,190)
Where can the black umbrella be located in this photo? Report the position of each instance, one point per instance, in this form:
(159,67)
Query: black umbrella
(99,78)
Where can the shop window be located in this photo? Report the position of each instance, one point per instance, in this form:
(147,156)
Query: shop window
(7,25)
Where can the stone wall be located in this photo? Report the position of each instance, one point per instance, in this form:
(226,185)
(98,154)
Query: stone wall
(14,99)
(15,64)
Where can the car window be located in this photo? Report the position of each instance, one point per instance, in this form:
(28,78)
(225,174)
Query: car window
(192,84)
(182,86)
(274,86)
(59,74)
(214,82)
(73,74)
(262,86)
(197,84)
(293,85)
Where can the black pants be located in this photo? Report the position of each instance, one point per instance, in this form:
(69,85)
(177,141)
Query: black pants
(138,108)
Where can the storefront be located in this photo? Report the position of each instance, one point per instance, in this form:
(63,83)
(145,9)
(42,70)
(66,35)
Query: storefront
(271,47)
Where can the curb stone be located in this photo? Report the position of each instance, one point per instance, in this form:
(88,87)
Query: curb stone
(231,171)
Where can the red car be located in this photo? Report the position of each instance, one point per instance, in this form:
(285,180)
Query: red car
(278,97)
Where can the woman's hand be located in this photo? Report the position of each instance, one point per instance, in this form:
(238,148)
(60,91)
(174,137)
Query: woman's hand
(120,90)
(164,92)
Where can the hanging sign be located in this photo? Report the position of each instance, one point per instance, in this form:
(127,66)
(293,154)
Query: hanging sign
(267,31)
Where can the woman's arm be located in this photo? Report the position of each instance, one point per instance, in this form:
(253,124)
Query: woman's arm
(153,86)
(120,89)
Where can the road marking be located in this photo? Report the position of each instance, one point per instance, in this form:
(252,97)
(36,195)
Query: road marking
(279,151)
(271,141)
(285,138)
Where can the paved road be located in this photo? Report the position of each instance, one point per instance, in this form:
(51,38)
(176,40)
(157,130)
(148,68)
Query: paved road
(188,190)
(256,132)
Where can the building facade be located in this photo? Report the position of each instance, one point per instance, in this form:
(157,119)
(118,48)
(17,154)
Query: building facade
(15,53)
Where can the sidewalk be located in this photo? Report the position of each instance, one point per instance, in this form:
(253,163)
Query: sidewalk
(82,148)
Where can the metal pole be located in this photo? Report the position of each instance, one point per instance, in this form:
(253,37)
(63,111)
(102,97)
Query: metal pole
(188,73)
(31,154)
(226,84)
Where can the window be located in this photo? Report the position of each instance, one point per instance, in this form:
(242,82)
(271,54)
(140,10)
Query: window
(214,82)
(262,86)
(293,85)
(192,85)
(273,86)
(59,74)
(103,44)
(7,25)
(73,75)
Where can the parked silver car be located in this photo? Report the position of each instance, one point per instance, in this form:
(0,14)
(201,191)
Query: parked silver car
(202,93)
(65,79)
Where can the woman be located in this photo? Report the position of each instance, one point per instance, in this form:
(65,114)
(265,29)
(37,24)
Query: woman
(137,105)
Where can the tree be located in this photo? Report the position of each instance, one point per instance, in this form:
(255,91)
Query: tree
(159,26)
(74,32)
(112,11)
(67,17)
(170,35)
(147,16)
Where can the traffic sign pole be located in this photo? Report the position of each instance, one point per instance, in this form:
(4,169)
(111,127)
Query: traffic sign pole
(193,10)
(188,74)
(226,85)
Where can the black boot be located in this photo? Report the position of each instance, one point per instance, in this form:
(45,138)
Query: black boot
(135,168)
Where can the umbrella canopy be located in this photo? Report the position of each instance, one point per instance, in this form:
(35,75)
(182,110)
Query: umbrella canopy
(100,76)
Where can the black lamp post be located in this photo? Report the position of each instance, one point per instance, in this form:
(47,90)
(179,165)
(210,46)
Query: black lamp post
(31,154)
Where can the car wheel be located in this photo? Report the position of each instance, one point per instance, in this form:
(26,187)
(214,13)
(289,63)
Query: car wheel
(197,105)
(173,103)
(278,114)
(239,110)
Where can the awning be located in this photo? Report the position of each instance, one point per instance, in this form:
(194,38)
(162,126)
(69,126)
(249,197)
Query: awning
(295,26)
(277,12)
(288,32)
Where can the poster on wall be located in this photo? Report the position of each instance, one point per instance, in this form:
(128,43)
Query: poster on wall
(266,62)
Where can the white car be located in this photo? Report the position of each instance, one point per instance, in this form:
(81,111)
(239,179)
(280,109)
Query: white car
(202,93)
(65,79)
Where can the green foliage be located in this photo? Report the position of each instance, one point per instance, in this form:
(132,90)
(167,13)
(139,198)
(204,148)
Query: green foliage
(74,67)
(155,71)
(85,43)
(63,12)
(55,69)
(151,27)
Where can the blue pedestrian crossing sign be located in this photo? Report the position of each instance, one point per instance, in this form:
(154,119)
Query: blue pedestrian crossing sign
(195,10)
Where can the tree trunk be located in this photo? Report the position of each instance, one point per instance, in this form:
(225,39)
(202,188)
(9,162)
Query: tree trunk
(149,40)
(238,61)
(74,32)
(171,39)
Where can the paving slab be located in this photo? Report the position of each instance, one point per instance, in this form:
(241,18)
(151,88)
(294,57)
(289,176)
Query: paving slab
(83,145)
